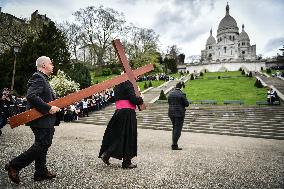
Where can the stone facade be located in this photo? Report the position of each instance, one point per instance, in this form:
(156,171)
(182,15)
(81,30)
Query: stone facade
(230,46)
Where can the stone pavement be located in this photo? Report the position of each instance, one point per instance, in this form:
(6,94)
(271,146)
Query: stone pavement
(206,161)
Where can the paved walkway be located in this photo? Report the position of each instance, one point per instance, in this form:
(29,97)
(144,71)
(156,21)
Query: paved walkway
(206,161)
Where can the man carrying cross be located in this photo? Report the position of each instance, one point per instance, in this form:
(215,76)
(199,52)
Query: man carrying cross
(38,95)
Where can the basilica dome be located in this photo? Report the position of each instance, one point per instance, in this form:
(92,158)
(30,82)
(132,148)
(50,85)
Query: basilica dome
(243,35)
(228,23)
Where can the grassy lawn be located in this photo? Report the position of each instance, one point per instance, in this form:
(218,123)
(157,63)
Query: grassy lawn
(155,83)
(235,88)
(140,84)
(99,79)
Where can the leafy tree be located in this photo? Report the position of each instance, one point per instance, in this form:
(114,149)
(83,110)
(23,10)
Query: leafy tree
(50,43)
(99,26)
(170,64)
(80,74)
(181,58)
(141,45)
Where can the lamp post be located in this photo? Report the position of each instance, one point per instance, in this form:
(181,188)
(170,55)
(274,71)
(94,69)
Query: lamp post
(16,50)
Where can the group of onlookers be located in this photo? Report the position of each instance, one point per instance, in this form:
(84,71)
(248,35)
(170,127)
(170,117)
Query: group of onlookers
(12,105)
(160,76)
(81,109)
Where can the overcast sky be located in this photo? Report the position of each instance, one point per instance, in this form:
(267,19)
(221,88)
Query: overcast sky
(185,23)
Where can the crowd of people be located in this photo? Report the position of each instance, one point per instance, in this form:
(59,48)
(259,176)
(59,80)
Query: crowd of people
(160,76)
(11,105)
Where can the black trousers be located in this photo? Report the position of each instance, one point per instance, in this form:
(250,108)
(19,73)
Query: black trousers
(177,127)
(37,152)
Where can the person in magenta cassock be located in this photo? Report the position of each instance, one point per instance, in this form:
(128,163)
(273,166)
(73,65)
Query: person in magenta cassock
(120,137)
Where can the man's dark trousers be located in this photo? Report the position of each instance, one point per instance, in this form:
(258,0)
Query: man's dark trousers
(177,127)
(37,152)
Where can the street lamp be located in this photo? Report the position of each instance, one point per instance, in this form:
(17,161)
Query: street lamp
(16,50)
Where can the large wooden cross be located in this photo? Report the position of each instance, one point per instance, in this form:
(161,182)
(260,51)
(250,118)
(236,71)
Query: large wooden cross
(32,114)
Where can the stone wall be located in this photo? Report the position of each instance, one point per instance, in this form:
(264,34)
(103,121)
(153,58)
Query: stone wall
(222,66)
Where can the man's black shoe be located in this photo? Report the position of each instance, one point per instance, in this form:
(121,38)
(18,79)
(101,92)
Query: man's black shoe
(48,176)
(176,148)
(12,173)
(129,166)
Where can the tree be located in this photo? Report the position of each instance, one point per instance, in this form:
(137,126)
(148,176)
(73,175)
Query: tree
(62,84)
(80,74)
(13,31)
(99,26)
(72,32)
(181,58)
(51,43)
(141,45)
(170,64)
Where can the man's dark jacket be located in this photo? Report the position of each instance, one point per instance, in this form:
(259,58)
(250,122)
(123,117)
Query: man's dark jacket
(38,95)
(177,102)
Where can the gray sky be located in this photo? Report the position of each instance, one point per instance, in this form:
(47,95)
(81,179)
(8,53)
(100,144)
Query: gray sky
(185,23)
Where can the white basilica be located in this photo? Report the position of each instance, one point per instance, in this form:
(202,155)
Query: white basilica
(231,45)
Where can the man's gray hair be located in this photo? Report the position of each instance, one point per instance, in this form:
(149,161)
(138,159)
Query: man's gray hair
(41,60)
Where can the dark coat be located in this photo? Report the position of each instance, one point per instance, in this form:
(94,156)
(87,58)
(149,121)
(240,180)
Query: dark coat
(38,95)
(177,102)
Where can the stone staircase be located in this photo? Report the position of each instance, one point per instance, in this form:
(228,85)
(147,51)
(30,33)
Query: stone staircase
(253,121)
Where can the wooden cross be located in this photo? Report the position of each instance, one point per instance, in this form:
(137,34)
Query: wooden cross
(127,69)
(32,114)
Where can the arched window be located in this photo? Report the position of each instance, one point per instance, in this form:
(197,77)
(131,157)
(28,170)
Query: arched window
(225,49)
(233,38)
(230,37)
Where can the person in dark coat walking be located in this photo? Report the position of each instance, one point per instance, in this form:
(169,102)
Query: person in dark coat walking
(177,102)
(38,95)
(120,137)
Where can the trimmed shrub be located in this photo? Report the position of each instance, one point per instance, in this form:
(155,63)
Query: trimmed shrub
(258,84)
(261,68)
(240,69)
(145,86)
(106,72)
(250,74)
(243,72)
(162,95)
(201,74)
(268,70)
(219,77)
(191,77)
(150,84)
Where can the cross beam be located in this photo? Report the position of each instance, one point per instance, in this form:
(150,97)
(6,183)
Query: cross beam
(33,114)
(127,69)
